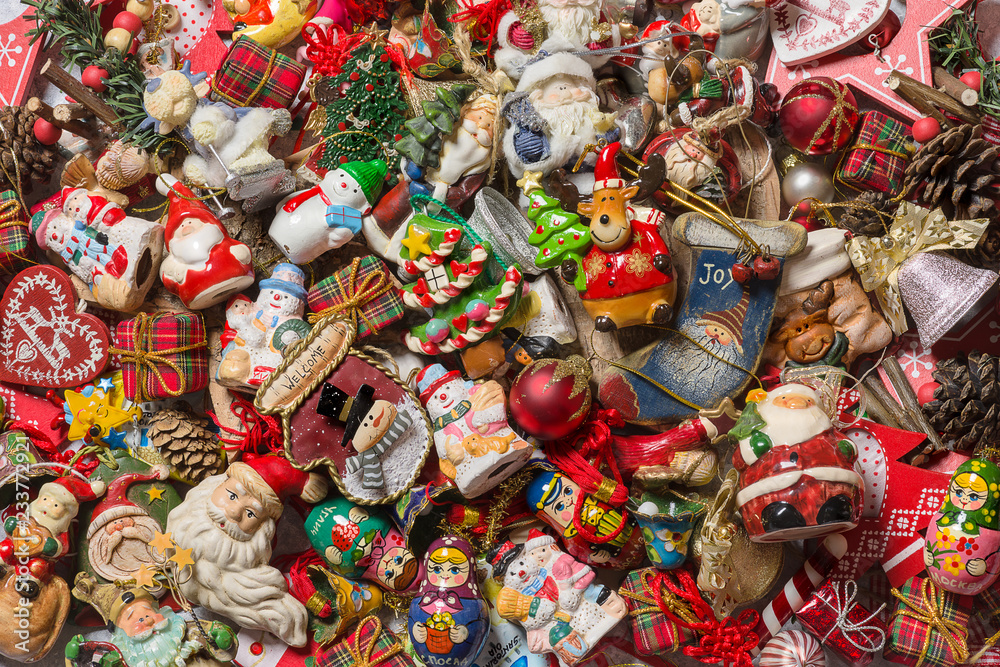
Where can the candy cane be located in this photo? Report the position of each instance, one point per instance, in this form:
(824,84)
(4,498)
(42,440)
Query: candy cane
(793,596)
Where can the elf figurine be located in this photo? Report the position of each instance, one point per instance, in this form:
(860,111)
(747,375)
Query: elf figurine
(630,276)
(371,426)
(309,223)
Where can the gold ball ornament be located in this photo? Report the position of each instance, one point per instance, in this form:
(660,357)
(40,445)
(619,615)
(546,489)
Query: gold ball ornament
(141,8)
(118,38)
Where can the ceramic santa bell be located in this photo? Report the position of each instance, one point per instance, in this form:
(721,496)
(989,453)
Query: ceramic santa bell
(308,223)
(204,266)
(449,622)
(784,432)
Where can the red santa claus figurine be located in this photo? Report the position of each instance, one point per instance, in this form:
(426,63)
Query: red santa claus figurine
(630,277)
(797,472)
(203,265)
(43,537)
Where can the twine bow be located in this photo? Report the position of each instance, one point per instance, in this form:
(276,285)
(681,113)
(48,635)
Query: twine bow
(929,613)
(356,294)
(147,360)
(363,655)
(842,604)
(914,230)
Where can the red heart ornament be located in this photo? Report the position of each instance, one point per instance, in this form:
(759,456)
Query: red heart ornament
(461,322)
(43,340)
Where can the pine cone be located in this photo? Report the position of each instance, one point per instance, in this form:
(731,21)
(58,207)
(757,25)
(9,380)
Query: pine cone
(986,254)
(965,405)
(35,161)
(864,219)
(955,170)
(186,444)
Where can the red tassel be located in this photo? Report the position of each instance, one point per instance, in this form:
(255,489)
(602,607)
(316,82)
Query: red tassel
(260,433)
(583,454)
(300,586)
(635,451)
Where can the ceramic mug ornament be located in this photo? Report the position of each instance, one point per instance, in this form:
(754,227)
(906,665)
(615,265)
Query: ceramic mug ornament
(783,432)
(668,522)
(308,223)
(449,622)
(115,254)
(147,635)
(225,525)
(476,447)
(362,542)
(962,550)
(560,502)
(554,597)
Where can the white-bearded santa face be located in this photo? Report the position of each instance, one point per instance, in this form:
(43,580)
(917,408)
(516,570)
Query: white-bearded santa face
(793,415)
(149,637)
(122,546)
(566,105)
(193,241)
(235,510)
(687,165)
(570,19)
(77,205)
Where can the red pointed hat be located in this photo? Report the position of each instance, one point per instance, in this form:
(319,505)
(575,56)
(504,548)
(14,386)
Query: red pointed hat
(272,480)
(72,489)
(184,205)
(537,538)
(606,171)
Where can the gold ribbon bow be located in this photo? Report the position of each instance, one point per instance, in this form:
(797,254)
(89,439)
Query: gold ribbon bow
(929,613)
(147,360)
(356,294)
(363,655)
(914,230)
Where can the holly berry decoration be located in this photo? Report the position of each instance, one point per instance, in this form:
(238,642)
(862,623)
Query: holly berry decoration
(766,266)
(742,273)
(551,398)
(818,116)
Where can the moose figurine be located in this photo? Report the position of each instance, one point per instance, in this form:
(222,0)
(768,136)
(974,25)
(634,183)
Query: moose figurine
(808,336)
(630,277)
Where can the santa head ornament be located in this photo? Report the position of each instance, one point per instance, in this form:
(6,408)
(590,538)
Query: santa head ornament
(606,171)
(66,492)
(185,206)
(537,72)
(726,326)
(272,480)
(793,413)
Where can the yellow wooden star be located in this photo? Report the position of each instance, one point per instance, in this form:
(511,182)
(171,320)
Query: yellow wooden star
(531,181)
(417,242)
(155,493)
(182,557)
(162,542)
(144,576)
(97,409)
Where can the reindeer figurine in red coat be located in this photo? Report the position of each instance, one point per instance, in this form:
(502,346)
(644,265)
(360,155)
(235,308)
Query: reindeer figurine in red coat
(630,277)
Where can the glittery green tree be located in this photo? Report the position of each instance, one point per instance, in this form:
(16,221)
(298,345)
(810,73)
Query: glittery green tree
(368,103)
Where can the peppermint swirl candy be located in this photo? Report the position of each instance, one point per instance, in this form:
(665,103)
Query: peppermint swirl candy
(793,648)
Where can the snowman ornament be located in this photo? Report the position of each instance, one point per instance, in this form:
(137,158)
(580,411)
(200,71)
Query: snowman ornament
(311,222)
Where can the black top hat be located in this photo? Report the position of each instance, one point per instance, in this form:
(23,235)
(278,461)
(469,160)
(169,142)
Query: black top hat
(501,556)
(336,403)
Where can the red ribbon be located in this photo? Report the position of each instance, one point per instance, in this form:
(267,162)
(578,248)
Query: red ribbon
(259,433)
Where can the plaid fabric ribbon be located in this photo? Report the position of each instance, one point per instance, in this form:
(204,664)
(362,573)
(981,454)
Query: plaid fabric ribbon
(13,234)
(363,291)
(255,75)
(369,646)
(165,354)
(929,625)
(878,158)
(652,630)
(913,231)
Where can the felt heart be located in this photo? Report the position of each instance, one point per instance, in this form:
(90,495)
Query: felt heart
(43,340)
(804,30)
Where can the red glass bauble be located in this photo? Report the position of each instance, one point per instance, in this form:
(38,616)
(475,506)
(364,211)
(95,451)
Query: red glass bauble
(551,397)
(91,77)
(818,115)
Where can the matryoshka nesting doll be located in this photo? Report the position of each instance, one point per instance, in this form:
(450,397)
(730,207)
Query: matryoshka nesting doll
(556,500)
(963,537)
(449,621)
(362,542)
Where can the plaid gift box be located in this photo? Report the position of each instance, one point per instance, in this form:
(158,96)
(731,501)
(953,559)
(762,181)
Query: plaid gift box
(13,234)
(929,626)
(162,355)
(652,631)
(833,617)
(363,291)
(255,75)
(370,645)
(879,155)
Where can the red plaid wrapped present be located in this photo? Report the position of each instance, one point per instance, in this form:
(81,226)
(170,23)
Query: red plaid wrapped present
(363,291)
(929,626)
(833,617)
(162,355)
(13,234)
(879,155)
(652,631)
(370,645)
(255,75)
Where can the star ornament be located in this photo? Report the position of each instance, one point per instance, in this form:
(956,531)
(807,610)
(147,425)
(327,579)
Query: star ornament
(908,52)
(899,500)
(162,542)
(531,181)
(417,241)
(144,576)
(182,557)
(155,493)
